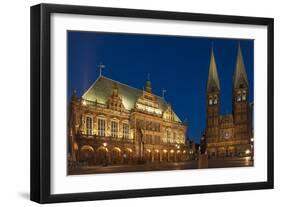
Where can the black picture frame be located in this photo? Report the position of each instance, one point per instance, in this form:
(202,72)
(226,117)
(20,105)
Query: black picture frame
(41,96)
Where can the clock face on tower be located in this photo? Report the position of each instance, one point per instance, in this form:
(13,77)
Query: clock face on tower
(227,134)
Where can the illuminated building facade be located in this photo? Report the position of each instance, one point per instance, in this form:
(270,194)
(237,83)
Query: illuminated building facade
(113,123)
(229,135)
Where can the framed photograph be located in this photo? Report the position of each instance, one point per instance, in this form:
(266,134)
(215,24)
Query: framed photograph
(132,103)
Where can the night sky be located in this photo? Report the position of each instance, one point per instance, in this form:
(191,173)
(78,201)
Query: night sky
(177,64)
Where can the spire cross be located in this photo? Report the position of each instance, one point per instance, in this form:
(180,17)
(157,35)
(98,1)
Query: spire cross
(101,67)
(148,76)
(163,93)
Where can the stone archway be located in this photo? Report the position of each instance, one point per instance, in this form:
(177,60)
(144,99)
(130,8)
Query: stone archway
(148,155)
(165,156)
(212,153)
(102,156)
(221,152)
(127,155)
(156,155)
(87,154)
(178,156)
(231,151)
(116,155)
(172,156)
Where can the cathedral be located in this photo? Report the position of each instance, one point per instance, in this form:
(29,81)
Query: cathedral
(114,123)
(229,135)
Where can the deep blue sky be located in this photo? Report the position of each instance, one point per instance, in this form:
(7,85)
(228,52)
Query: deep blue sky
(178,64)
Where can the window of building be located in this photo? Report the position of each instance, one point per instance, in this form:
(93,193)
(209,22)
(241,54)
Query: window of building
(157,139)
(126,131)
(215,100)
(114,129)
(89,125)
(101,127)
(244,96)
(238,98)
(148,139)
(168,136)
(210,100)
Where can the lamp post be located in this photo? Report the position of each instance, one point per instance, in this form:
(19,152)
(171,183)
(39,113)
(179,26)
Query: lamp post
(252,149)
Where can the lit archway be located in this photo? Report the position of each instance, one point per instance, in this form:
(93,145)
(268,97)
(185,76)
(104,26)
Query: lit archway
(87,154)
(128,155)
(172,156)
(156,155)
(165,155)
(116,155)
(102,155)
(147,155)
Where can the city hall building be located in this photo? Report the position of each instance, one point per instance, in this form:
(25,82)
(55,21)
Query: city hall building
(229,135)
(113,123)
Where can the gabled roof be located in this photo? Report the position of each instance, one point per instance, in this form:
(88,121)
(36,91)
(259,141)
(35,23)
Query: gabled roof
(240,72)
(213,79)
(102,89)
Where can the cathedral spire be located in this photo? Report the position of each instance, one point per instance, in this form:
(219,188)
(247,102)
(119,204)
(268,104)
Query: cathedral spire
(213,79)
(240,72)
(148,87)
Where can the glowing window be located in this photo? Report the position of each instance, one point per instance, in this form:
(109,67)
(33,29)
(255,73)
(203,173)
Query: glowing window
(114,129)
(89,125)
(101,127)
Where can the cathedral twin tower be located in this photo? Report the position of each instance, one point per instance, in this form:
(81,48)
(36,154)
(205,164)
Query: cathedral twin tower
(229,135)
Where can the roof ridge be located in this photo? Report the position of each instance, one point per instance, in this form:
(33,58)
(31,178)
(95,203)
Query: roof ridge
(136,91)
(131,86)
(91,85)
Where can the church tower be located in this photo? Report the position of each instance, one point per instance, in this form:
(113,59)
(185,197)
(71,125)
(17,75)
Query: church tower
(213,101)
(240,98)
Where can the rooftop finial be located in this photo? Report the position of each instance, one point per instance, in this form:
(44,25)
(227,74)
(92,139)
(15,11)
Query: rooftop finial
(74,95)
(101,67)
(163,93)
(148,87)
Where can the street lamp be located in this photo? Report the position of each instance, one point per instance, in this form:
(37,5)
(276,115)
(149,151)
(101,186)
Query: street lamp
(252,148)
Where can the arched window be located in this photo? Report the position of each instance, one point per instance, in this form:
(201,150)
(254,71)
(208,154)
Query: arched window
(101,127)
(210,100)
(114,128)
(244,96)
(89,125)
(238,98)
(215,100)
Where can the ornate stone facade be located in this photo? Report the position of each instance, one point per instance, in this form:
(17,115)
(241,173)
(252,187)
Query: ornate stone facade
(229,135)
(113,123)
